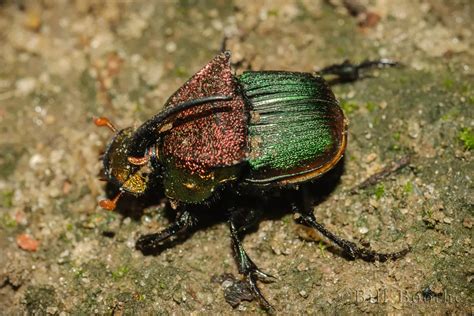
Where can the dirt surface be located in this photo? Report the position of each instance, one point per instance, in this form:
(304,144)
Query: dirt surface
(64,62)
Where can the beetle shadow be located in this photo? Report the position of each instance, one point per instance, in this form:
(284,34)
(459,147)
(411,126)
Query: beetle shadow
(135,207)
(274,205)
(319,190)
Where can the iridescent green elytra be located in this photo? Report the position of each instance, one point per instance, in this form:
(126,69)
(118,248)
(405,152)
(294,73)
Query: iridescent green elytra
(296,125)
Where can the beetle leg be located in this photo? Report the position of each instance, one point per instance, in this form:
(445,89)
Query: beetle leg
(152,241)
(350,248)
(348,72)
(247,267)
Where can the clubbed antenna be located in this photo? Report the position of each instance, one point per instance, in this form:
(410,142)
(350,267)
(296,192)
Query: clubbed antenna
(110,205)
(103,121)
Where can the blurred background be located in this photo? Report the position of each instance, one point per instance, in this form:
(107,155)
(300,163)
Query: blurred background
(64,62)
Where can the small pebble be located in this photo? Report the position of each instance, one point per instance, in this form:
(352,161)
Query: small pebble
(303,293)
(370,157)
(363,230)
(26,242)
(25,86)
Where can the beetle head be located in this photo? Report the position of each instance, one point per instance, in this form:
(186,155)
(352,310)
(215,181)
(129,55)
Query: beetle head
(130,149)
(120,167)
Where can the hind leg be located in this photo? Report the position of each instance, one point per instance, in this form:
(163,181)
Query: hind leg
(348,72)
(307,218)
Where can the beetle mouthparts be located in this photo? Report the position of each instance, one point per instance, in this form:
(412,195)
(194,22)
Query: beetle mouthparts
(103,121)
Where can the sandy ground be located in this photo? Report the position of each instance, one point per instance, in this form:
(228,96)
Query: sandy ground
(64,62)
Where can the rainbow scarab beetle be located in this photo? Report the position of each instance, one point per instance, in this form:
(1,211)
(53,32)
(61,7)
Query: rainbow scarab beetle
(261,129)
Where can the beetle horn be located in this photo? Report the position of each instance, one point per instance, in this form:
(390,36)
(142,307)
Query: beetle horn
(158,121)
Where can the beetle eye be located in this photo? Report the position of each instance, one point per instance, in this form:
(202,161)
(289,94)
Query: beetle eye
(116,165)
(122,169)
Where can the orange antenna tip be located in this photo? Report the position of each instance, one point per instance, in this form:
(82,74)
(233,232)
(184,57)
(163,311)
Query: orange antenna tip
(103,121)
(110,205)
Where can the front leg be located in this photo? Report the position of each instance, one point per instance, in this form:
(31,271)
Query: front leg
(151,242)
(246,266)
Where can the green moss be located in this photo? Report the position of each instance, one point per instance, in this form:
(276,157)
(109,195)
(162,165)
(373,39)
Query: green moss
(370,106)
(349,107)
(181,72)
(8,222)
(78,273)
(6,199)
(38,299)
(396,136)
(287,219)
(379,191)
(87,85)
(408,188)
(9,156)
(322,247)
(467,137)
(450,115)
(273,12)
(448,83)
(470,99)
(120,272)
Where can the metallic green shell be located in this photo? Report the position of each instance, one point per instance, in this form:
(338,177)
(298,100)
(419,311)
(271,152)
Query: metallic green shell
(296,124)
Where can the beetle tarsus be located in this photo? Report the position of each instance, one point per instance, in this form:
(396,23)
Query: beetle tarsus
(151,242)
(247,267)
(348,247)
(348,72)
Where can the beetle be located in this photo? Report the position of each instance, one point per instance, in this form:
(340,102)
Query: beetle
(261,129)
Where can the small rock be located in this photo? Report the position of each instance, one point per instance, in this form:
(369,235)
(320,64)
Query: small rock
(374,203)
(303,294)
(25,86)
(26,242)
(33,21)
(35,161)
(171,47)
(370,157)
(363,230)
(51,310)
(448,220)
(437,288)
(413,129)
(468,222)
